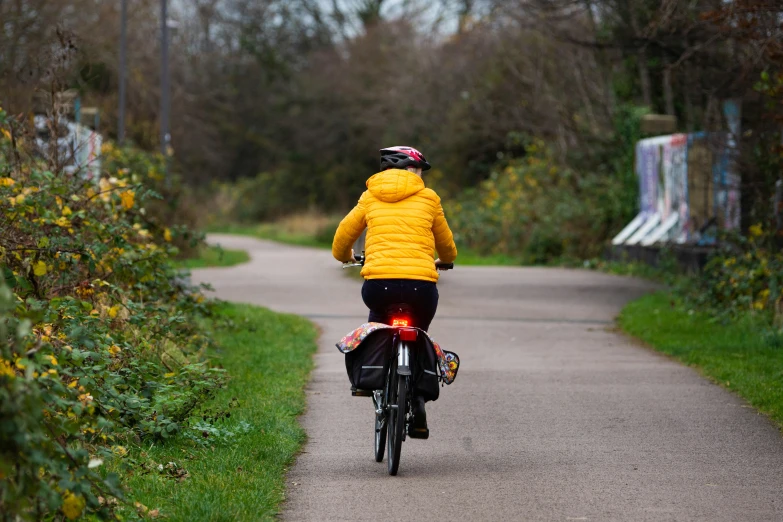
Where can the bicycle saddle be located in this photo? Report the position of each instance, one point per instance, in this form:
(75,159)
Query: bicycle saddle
(399,309)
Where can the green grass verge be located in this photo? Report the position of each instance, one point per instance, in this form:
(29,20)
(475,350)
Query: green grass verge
(269,231)
(745,356)
(215,256)
(268,357)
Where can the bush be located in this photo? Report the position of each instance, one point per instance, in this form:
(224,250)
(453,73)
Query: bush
(745,275)
(538,209)
(99,338)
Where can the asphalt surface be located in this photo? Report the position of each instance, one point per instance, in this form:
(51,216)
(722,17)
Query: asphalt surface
(553,416)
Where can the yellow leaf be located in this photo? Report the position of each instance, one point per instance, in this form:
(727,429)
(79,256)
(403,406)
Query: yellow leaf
(7,182)
(167,234)
(39,268)
(114,349)
(113,311)
(73,384)
(73,505)
(53,360)
(169,375)
(67,211)
(127,198)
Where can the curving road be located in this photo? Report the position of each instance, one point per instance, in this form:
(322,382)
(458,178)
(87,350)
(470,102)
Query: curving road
(554,415)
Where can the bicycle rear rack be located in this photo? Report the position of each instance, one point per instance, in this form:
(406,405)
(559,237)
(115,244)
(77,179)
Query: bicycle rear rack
(360,393)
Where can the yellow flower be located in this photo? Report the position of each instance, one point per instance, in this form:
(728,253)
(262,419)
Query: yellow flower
(5,368)
(120,451)
(67,211)
(113,311)
(73,505)
(53,360)
(167,234)
(62,221)
(73,384)
(114,349)
(127,198)
(39,268)
(7,182)
(756,230)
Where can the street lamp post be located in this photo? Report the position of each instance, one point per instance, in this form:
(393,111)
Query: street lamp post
(123,70)
(165,136)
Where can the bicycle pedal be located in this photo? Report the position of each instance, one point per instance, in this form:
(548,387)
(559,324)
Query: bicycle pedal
(361,393)
(418,433)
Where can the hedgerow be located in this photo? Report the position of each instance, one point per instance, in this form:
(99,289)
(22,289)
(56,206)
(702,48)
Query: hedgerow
(100,344)
(539,209)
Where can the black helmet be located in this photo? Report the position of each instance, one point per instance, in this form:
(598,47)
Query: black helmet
(403,157)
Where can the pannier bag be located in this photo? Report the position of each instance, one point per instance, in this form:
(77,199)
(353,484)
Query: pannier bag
(367,352)
(368,364)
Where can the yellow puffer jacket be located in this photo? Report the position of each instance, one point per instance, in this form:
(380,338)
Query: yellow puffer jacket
(405,226)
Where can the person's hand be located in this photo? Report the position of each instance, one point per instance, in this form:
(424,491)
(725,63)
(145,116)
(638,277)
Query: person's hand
(438,262)
(353,257)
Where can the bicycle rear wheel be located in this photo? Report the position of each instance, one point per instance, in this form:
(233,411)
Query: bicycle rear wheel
(396,420)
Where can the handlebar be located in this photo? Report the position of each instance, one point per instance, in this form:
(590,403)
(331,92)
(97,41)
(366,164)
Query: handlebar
(360,262)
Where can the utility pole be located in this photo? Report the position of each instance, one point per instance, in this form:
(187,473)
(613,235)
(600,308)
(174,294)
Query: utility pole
(123,70)
(165,136)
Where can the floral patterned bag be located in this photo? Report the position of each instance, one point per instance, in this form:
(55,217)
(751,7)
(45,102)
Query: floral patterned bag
(448,362)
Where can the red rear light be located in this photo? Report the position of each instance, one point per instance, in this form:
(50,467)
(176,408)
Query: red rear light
(399,322)
(408,334)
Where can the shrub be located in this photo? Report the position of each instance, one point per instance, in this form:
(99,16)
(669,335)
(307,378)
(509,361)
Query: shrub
(99,336)
(745,275)
(538,209)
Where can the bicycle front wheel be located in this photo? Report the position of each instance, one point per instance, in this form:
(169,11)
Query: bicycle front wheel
(396,421)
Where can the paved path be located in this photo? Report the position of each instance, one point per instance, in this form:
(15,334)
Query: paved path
(554,415)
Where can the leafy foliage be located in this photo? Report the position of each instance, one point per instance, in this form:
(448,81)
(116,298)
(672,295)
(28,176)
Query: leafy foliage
(745,275)
(99,335)
(539,209)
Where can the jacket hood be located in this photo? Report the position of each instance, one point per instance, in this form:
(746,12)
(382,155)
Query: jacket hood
(394,185)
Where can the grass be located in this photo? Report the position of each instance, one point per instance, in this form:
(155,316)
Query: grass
(323,239)
(304,229)
(216,256)
(745,356)
(268,357)
(268,231)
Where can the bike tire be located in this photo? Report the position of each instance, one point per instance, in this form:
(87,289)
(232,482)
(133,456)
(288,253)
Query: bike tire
(396,428)
(380,438)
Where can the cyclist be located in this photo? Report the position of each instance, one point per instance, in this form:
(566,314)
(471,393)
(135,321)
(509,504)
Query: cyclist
(405,225)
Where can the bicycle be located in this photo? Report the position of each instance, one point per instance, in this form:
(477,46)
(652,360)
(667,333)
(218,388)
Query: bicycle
(393,404)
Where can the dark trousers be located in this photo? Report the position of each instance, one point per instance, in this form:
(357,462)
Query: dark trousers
(421,296)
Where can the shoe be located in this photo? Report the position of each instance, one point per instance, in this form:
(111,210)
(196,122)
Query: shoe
(417,429)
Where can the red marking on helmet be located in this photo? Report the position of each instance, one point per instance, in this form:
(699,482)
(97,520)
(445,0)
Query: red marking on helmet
(410,151)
